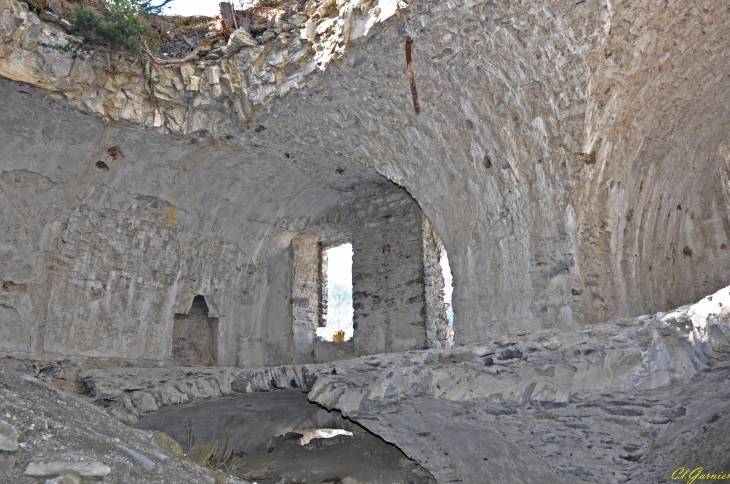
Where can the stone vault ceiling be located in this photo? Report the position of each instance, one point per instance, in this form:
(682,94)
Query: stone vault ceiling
(569,154)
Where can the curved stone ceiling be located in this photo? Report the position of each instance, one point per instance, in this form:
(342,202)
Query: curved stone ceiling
(567,153)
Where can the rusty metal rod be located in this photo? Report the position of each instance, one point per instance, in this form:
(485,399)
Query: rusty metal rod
(411,78)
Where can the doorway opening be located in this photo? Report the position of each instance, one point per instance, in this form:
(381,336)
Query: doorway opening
(337,310)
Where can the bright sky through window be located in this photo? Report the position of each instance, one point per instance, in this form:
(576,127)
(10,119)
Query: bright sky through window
(448,289)
(339,293)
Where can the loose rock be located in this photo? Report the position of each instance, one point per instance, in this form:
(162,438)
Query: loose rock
(168,444)
(86,469)
(201,452)
(8,438)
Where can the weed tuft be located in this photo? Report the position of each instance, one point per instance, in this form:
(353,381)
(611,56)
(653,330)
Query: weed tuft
(221,454)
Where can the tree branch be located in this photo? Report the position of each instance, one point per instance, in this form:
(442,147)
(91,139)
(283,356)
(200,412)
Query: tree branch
(168,62)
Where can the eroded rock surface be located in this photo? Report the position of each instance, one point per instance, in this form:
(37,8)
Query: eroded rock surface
(130,393)
(193,97)
(8,438)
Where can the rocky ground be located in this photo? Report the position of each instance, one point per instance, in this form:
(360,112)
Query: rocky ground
(47,434)
(625,400)
(362,458)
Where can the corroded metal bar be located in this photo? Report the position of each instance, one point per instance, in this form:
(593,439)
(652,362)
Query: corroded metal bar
(411,79)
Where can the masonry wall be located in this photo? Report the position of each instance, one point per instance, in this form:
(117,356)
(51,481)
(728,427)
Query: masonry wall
(309,305)
(117,271)
(572,173)
(306,296)
(266,338)
(120,268)
(388,276)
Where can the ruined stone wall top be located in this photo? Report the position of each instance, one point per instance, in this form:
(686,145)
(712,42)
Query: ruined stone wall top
(213,96)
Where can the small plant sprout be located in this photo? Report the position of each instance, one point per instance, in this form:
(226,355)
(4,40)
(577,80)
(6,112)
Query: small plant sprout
(189,432)
(220,456)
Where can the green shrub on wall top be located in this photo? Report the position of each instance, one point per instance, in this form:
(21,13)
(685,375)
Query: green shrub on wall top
(116,24)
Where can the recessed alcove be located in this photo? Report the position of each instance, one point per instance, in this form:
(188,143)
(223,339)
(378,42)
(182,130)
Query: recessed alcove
(194,336)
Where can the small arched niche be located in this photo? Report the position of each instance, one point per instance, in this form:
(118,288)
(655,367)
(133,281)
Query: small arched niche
(194,336)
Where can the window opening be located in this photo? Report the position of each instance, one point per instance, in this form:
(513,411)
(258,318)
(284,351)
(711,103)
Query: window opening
(337,294)
(448,287)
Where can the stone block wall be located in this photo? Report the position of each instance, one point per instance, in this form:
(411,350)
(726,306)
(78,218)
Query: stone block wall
(121,272)
(575,175)
(120,269)
(309,291)
(306,296)
(264,331)
(388,286)
(325,351)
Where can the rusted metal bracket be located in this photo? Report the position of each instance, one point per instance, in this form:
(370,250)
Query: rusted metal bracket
(411,79)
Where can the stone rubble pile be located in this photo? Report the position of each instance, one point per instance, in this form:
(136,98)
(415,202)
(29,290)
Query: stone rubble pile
(634,398)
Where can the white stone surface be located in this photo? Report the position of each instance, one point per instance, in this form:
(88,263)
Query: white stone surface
(309,434)
(86,469)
